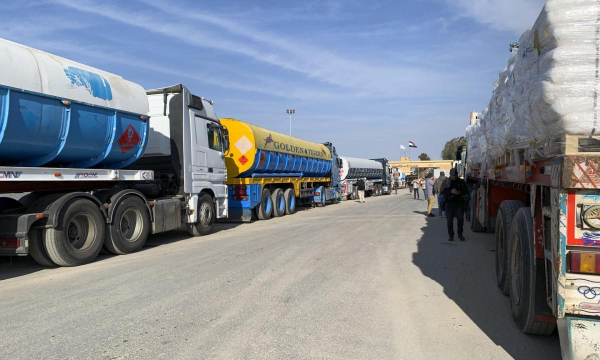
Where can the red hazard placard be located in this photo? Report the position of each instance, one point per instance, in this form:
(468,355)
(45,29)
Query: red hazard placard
(243,160)
(129,139)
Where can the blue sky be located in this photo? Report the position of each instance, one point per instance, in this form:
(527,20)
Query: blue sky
(364,75)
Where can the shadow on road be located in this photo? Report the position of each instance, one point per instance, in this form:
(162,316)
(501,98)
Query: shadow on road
(466,271)
(13,267)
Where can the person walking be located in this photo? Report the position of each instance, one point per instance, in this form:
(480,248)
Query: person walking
(360,185)
(396,183)
(429,184)
(415,185)
(437,188)
(455,190)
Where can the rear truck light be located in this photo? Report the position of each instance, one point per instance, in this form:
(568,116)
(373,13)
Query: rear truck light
(239,187)
(240,198)
(41,216)
(317,194)
(143,118)
(239,192)
(583,263)
(10,243)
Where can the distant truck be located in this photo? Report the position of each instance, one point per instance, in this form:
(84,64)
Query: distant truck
(376,172)
(269,173)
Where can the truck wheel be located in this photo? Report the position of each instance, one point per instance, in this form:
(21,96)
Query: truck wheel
(523,275)
(79,236)
(290,201)
(506,213)
(130,227)
(265,209)
(206,217)
(37,250)
(278,201)
(475,224)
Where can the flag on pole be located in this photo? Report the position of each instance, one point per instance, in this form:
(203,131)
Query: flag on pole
(411,144)
(402,147)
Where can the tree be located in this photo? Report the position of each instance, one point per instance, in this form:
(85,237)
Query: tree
(424,157)
(449,152)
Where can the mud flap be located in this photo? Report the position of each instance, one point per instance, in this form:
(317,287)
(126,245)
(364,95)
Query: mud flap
(579,337)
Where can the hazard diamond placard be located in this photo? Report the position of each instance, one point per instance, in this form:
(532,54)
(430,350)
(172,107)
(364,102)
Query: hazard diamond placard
(129,139)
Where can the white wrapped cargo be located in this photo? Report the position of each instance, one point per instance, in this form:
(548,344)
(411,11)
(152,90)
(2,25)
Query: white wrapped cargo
(548,89)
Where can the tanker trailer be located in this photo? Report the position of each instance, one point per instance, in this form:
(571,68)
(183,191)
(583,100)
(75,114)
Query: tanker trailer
(376,173)
(269,173)
(72,173)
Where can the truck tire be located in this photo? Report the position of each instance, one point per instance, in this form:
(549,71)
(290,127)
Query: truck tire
(278,201)
(206,217)
(265,209)
(475,224)
(37,249)
(130,227)
(79,236)
(290,201)
(506,213)
(523,275)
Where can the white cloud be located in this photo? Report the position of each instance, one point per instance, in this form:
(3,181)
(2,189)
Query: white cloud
(339,71)
(508,15)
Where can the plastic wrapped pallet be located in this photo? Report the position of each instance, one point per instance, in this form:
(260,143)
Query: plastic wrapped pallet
(548,89)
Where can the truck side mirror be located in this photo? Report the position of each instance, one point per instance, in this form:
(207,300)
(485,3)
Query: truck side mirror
(225,140)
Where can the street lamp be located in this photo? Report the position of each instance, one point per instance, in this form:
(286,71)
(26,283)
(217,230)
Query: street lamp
(290,112)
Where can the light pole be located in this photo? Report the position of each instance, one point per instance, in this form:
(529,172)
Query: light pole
(290,112)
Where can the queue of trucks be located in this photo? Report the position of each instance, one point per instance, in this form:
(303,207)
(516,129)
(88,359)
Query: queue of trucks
(90,161)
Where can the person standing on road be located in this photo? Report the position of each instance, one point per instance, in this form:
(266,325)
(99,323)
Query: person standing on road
(360,185)
(415,185)
(437,188)
(429,184)
(396,183)
(455,190)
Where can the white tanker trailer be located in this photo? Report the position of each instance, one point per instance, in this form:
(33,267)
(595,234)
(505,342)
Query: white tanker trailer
(376,173)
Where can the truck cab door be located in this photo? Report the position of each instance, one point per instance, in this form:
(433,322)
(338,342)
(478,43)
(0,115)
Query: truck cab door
(215,154)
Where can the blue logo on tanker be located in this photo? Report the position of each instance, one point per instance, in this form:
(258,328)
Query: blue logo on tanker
(95,84)
(292,148)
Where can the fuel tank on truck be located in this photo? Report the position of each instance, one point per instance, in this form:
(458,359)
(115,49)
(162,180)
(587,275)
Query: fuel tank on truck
(354,168)
(258,152)
(57,112)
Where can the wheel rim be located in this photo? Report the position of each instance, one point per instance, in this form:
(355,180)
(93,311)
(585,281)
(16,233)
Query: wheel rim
(292,202)
(205,214)
(517,271)
(267,205)
(281,204)
(81,232)
(131,225)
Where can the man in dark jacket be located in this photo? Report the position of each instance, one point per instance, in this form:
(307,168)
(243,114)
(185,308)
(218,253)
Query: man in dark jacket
(360,185)
(455,190)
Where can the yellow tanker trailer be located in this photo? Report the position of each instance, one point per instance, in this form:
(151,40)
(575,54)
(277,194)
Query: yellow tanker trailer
(269,173)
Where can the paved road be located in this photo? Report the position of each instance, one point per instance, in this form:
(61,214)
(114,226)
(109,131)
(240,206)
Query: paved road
(349,281)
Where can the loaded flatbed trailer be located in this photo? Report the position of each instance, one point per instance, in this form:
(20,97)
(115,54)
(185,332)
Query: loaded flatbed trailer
(546,217)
